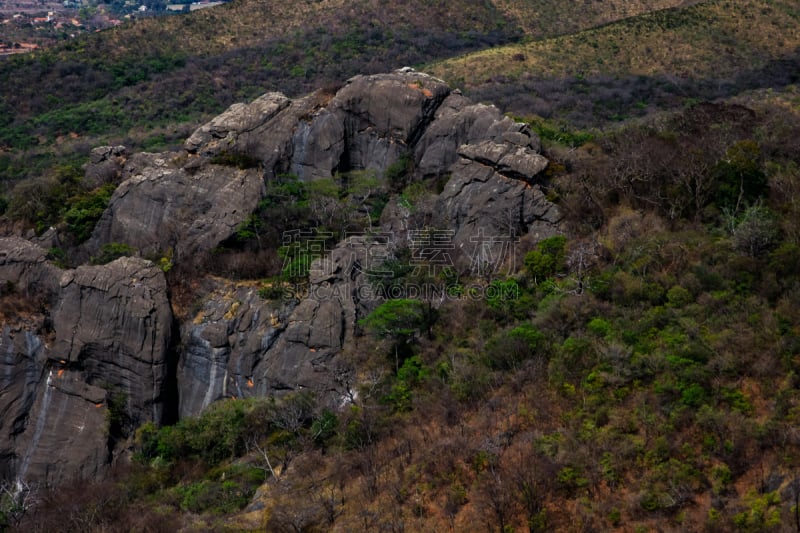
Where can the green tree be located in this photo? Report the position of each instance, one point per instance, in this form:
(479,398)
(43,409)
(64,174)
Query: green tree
(548,259)
(111,251)
(399,321)
(740,178)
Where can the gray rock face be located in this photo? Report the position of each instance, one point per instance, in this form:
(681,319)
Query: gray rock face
(239,119)
(242,345)
(384,115)
(113,323)
(24,266)
(369,123)
(106,338)
(105,165)
(224,343)
(507,159)
(460,122)
(488,212)
(324,323)
(163,206)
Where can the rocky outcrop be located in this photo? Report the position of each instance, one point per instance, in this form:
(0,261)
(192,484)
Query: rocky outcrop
(83,372)
(164,207)
(113,324)
(94,357)
(188,204)
(241,344)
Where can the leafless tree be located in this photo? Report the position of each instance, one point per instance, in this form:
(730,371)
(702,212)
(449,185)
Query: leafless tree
(263,453)
(17,498)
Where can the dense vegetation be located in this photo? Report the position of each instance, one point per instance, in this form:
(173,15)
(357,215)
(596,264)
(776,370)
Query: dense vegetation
(638,373)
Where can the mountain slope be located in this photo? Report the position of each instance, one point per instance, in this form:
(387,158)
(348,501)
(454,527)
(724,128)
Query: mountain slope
(708,50)
(544,18)
(637,371)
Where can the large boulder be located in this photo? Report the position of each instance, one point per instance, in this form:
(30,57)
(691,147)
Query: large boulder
(24,268)
(488,213)
(84,368)
(164,207)
(113,323)
(460,122)
(222,132)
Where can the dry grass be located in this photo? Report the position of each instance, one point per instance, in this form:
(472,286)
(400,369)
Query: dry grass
(713,39)
(542,18)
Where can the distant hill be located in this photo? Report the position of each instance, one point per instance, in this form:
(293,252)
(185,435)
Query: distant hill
(656,60)
(146,83)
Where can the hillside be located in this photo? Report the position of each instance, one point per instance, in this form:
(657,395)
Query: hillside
(544,18)
(382,305)
(636,370)
(654,61)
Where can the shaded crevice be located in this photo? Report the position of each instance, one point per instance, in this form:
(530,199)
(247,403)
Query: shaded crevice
(170,395)
(428,116)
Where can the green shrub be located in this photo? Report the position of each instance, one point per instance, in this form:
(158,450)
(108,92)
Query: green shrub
(409,375)
(693,395)
(111,251)
(547,259)
(677,296)
(399,321)
(507,350)
(757,232)
(559,133)
(763,512)
(740,178)
(398,173)
(507,300)
(215,497)
(86,209)
(239,160)
(58,256)
(571,479)
(218,434)
(273,290)
(599,326)
(324,427)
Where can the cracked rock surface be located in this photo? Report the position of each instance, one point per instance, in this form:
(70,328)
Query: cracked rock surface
(104,339)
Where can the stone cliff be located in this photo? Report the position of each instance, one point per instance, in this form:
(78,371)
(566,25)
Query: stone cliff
(81,367)
(87,355)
